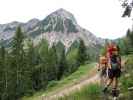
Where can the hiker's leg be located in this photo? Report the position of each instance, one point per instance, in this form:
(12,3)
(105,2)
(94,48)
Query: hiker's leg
(104,77)
(109,82)
(110,77)
(114,88)
(104,80)
(101,77)
(107,85)
(107,76)
(115,82)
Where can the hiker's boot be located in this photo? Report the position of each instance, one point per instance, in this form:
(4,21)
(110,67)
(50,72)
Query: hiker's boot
(114,93)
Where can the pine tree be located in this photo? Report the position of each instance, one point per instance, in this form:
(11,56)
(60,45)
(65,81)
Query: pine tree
(53,62)
(6,75)
(2,71)
(41,73)
(8,78)
(18,55)
(129,41)
(130,37)
(29,68)
(62,67)
(82,56)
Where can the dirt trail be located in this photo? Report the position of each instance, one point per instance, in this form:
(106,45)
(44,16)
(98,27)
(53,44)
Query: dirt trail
(67,90)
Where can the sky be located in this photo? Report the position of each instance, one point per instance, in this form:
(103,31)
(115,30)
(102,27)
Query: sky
(101,17)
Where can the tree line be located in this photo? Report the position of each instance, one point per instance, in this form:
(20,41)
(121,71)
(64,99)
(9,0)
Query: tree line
(27,69)
(126,43)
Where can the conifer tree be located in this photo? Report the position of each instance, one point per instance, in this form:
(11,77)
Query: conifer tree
(82,56)
(53,62)
(30,67)
(18,67)
(2,71)
(62,67)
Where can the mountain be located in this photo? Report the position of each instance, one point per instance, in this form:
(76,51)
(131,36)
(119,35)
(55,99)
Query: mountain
(58,26)
(7,30)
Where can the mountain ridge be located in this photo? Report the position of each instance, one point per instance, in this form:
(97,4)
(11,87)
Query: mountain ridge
(60,25)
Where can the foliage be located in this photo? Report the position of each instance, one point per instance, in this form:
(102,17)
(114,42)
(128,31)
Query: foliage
(24,71)
(53,86)
(72,59)
(126,43)
(27,69)
(127,79)
(82,54)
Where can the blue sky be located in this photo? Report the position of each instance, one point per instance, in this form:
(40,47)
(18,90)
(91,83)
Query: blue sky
(101,17)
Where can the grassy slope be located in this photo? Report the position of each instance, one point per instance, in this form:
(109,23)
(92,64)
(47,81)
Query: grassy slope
(82,73)
(90,92)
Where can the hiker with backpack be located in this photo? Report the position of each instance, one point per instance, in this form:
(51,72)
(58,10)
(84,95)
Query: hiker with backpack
(114,68)
(102,67)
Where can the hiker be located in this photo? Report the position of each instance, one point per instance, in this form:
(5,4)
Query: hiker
(102,66)
(114,67)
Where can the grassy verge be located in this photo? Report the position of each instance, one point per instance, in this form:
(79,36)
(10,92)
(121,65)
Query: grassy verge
(126,79)
(82,73)
(90,92)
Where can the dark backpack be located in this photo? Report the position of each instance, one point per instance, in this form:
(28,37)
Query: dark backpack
(114,62)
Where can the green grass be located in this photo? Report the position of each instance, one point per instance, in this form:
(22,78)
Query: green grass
(90,92)
(75,77)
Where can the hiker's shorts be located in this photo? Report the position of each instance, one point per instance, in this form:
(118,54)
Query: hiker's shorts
(114,73)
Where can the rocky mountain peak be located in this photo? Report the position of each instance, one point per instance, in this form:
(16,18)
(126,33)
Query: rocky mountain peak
(64,14)
(60,21)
